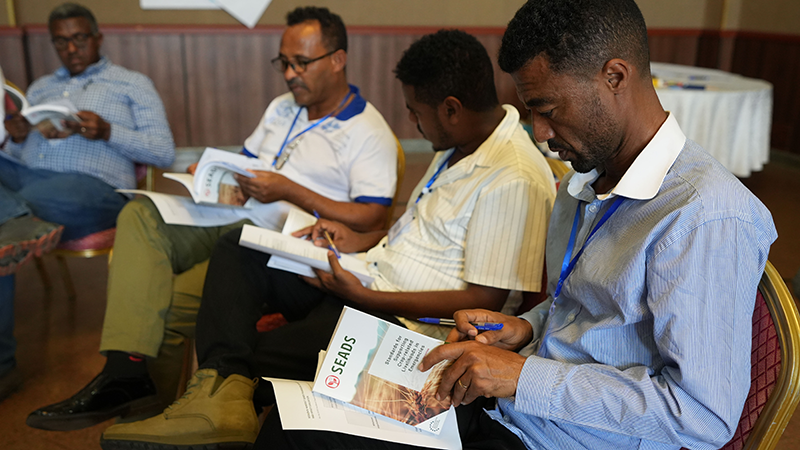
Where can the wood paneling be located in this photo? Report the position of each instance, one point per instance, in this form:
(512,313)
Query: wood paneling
(216,81)
(12,56)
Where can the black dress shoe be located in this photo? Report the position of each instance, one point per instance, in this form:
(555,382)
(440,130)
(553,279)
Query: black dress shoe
(103,398)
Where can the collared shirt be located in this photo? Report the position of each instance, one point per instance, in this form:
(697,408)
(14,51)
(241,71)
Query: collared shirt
(350,157)
(648,346)
(484,222)
(127,100)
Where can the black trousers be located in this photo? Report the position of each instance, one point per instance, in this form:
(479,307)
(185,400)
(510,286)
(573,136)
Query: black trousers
(477,430)
(238,290)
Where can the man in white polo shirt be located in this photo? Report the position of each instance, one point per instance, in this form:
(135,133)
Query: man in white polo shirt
(328,150)
(474,230)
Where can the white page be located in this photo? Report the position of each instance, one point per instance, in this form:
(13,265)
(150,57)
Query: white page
(246,11)
(302,409)
(301,251)
(177,210)
(297,220)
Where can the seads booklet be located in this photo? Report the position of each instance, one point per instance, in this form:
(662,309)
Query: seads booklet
(213,182)
(45,116)
(372,364)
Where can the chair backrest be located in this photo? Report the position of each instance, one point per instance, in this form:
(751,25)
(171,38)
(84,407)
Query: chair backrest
(775,367)
(401,171)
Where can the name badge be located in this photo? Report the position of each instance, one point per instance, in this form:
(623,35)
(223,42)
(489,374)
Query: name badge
(401,224)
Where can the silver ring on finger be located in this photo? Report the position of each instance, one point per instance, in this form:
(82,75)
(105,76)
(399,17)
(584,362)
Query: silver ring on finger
(83,129)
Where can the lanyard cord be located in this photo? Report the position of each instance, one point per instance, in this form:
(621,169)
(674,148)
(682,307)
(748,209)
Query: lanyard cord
(427,188)
(568,264)
(312,126)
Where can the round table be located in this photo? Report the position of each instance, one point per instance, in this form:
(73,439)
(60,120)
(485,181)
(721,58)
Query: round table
(728,114)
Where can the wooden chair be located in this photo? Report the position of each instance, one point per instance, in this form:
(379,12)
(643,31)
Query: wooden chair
(95,244)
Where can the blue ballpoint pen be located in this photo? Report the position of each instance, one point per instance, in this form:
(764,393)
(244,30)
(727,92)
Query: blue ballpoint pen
(331,245)
(481,326)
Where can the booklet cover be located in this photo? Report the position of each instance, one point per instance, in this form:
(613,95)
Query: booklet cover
(372,364)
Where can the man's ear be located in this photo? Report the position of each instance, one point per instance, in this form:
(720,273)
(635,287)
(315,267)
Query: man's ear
(451,110)
(339,59)
(99,38)
(617,74)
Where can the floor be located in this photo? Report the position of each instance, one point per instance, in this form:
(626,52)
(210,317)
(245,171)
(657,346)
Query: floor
(58,339)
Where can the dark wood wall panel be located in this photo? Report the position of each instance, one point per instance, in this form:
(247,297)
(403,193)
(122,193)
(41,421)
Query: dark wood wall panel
(673,48)
(12,56)
(777,61)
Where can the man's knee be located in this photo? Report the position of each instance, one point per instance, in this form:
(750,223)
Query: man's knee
(138,210)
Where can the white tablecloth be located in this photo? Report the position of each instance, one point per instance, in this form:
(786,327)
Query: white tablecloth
(731,118)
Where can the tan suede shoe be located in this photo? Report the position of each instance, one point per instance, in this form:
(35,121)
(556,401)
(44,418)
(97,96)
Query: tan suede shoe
(212,411)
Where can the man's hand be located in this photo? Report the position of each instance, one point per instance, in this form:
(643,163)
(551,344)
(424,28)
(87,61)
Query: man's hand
(345,239)
(91,126)
(17,127)
(339,282)
(515,334)
(266,187)
(477,371)
(192,168)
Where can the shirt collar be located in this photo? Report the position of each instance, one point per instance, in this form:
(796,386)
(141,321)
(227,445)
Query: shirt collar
(481,156)
(644,177)
(92,69)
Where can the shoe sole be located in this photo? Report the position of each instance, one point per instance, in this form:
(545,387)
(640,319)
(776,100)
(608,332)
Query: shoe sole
(80,421)
(139,445)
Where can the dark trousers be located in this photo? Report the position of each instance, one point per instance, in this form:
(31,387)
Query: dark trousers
(477,430)
(238,290)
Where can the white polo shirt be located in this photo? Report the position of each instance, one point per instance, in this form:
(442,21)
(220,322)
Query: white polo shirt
(484,221)
(348,157)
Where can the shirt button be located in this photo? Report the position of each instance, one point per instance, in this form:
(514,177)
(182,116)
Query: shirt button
(571,317)
(592,208)
(507,418)
(66,94)
(41,156)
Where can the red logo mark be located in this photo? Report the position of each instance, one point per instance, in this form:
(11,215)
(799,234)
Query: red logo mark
(332,381)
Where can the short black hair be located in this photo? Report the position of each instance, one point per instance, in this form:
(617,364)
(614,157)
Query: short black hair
(449,63)
(334,34)
(577,36)
(71,10)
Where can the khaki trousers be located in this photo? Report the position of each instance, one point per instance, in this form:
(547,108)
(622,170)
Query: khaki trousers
(155,284)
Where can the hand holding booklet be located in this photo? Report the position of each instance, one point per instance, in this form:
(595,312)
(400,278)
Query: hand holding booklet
(300,251)
(213,182)
(46,116)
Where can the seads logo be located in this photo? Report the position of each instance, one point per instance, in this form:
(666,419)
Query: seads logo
(332,381)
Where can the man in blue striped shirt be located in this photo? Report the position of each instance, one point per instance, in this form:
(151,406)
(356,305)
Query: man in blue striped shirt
(69,177)
(654,253)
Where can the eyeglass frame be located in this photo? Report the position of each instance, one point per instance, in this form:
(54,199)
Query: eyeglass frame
(302,65)
(80,40)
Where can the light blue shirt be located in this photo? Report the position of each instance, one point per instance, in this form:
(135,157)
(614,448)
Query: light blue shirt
(648,345)
(125,99)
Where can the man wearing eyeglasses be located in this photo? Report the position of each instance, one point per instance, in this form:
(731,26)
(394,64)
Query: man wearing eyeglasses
(69,177)
(327,150)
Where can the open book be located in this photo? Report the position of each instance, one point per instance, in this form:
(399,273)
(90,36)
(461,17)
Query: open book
(45,116)
(300,251)
(372,364)
(213,182)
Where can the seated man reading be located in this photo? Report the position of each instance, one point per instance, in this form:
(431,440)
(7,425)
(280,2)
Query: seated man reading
(473,231)
(654,254)
(343,164)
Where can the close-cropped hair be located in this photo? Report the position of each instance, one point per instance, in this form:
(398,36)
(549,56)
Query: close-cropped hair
(72,10)
(449,63)
(577,36)
(334,34)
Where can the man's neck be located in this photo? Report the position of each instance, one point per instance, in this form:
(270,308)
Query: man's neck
(330,104)
(482,125)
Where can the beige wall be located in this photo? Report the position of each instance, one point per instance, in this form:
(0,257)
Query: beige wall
(771,16)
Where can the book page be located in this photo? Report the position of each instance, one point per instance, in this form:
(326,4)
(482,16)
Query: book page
(302,409)
(214,181)
(177,210)
(300,250)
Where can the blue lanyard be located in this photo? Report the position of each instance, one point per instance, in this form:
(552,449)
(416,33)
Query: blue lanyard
(427,188)
(568,264)
(311,127)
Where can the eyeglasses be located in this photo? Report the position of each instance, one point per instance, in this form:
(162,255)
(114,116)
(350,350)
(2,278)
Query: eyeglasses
(299,66)
(79,39)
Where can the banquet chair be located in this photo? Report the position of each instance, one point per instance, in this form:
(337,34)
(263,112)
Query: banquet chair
(95,244)
(775,367)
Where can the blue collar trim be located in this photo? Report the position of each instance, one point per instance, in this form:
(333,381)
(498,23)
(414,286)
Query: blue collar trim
(356,106)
